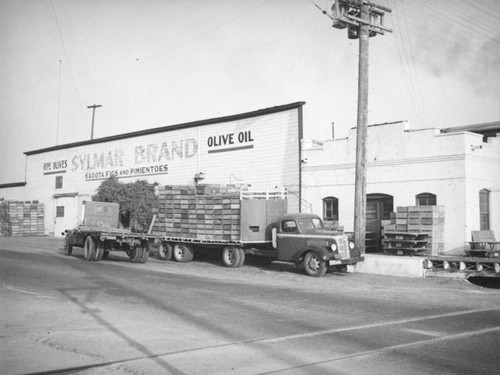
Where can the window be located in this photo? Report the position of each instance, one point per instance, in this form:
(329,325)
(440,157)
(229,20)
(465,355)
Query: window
(484,209)
(59,182)
(310,223)
(60,211)
(426,199)
(331,208)
(289,226)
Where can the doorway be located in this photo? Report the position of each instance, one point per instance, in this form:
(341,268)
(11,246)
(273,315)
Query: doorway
(378,207)
(65,214)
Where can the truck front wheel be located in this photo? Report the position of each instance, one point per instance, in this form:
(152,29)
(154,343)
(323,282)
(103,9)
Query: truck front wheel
(89,248)
(182,252)
(314,265)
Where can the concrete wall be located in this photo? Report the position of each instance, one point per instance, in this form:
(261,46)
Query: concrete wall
(403,163)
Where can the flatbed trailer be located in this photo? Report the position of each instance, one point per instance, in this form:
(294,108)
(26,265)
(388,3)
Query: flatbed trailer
(265,230)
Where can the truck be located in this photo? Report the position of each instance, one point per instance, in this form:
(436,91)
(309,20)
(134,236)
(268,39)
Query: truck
(256,224)
(99,233)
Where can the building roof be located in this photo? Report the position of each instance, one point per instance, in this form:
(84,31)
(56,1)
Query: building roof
(487,129)
(12,185)
(240,116)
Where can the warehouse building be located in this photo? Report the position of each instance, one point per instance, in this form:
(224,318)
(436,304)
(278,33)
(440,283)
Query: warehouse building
(456,168)
(260,148)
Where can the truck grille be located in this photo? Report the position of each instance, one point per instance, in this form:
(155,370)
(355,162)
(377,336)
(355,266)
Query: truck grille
(343,247)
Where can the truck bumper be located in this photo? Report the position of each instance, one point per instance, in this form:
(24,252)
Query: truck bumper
(337,262)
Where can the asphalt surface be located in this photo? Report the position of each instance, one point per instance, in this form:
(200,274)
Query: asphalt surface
(61,314)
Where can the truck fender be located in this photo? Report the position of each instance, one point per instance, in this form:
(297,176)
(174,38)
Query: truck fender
(325,254)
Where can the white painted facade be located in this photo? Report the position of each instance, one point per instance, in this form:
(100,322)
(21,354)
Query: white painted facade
(402,163)
(260,148)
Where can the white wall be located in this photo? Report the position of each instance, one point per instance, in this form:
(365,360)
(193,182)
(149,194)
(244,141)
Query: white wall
(262,151)
(406,163)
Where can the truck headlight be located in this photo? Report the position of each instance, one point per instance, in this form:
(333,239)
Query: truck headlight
(333,246)
(351,245)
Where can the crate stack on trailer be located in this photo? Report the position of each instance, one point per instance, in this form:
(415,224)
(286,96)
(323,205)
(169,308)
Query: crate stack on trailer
(203,212)
(21,218)
(415,230)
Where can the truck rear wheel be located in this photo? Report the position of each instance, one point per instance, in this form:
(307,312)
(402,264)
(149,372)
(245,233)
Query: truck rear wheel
(146,249)
(165,251)
(314,265)
(89,248)
(99,251)
(68,249)
(233,256)
(137,254)
(182,252)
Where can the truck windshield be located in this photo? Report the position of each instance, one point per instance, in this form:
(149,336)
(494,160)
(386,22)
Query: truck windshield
(310,223)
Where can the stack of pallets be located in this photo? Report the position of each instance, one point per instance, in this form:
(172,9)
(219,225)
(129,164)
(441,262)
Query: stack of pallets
(203,212)
(425,221)
(21,218)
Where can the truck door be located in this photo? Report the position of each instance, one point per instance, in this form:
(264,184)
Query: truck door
(288,240)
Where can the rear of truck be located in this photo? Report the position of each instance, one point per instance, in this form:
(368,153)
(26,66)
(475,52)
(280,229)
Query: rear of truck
(99,234)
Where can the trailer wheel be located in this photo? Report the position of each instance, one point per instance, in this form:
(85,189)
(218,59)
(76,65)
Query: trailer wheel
(165,251)
(242,258)
(89,248)
(99,250)
(68,249)
(182,252)
(231,256)
(314,265)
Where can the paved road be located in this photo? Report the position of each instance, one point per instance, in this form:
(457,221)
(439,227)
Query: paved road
(62,314)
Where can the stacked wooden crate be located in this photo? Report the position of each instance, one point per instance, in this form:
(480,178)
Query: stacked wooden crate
(21,218)
(3,218)
(203,212)
(425,220)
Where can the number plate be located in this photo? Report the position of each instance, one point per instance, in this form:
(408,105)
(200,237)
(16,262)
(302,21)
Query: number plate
(334,262)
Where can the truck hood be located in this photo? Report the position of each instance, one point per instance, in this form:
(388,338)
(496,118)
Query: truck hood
(323,232)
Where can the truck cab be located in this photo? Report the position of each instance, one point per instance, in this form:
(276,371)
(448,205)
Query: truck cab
(302,239)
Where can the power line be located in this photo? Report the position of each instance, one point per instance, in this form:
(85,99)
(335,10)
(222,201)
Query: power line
(154,57)
(97,52)
(415,75)
(69,65)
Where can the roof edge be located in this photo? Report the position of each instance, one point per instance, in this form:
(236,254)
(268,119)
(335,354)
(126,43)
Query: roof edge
(12,184)
(240,116)
(485,126)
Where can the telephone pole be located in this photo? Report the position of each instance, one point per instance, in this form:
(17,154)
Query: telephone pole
(363,19)
(93,116)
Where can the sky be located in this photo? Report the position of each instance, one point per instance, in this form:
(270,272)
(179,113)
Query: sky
(154,63)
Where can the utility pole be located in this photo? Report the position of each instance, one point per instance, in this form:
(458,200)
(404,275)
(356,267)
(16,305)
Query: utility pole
(93,116)
(363,19)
